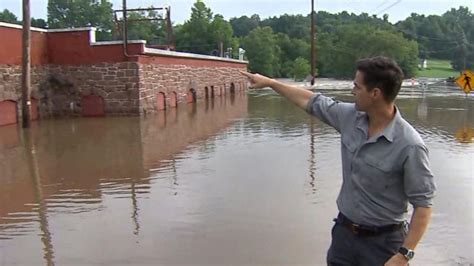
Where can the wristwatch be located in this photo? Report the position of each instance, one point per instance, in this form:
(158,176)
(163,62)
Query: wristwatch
(407,253)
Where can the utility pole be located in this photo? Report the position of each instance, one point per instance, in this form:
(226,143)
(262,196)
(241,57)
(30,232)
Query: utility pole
(464,49)
(125,28)
(312,43)
(26,66)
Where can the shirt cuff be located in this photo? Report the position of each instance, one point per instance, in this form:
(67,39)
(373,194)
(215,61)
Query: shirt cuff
(311,101)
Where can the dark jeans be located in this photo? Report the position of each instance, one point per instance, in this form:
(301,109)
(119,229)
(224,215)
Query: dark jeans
(349,249)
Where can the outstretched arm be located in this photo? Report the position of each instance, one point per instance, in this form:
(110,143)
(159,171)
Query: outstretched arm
(294,94)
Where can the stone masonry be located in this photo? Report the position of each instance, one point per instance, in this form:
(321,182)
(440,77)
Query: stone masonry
(155,78)
(59,88)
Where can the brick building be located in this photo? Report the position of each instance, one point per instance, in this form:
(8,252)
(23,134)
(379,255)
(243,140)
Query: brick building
(72,74)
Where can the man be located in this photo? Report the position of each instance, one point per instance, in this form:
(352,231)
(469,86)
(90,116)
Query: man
(467,84)
(385,167)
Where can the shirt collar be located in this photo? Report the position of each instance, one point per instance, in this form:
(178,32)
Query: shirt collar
(388,132)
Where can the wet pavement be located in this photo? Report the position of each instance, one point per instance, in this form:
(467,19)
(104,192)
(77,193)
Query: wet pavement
(242,180)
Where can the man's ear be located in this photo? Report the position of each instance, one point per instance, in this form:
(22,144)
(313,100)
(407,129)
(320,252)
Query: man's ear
(376,93)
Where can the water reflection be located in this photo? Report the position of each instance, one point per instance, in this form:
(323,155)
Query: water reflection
(465,134)
(32,163)
(71,166)
(312,159)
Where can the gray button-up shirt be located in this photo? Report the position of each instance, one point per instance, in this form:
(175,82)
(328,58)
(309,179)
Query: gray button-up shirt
(381,174)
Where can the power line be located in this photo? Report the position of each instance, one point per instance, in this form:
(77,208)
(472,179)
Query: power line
(379,6)
(390,6)
(425,37)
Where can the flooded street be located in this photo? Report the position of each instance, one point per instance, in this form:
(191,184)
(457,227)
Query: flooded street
(240,180)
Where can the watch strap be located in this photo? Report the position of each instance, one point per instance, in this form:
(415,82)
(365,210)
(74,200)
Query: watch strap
(407,253)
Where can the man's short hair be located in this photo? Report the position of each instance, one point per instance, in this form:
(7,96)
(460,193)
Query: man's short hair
(383,73)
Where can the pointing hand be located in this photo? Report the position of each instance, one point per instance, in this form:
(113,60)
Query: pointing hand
(257,81)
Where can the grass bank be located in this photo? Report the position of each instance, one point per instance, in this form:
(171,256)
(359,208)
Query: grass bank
(438,69)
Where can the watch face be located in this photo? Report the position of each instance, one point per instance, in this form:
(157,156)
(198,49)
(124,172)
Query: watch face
(407,253)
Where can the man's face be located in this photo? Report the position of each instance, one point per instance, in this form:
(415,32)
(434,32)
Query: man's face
(363,98)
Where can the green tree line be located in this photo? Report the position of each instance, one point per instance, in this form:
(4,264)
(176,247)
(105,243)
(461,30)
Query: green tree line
(280,46)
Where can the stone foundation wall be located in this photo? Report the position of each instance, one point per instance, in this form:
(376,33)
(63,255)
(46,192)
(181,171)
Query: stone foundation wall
(116,83)
(10,83)
(59,88)
(127,88)
(155,78)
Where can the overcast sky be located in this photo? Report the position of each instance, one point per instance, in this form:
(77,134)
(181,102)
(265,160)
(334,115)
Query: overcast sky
(181,9)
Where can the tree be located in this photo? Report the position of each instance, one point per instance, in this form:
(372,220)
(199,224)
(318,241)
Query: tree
(301,68)
(221,31)
(153,31)
(443,37)
(203,32)
(82,13)
(262,51)
(194,35)
(8,17)
(295,26)
(462,32)
(243,25)
(39,23)
(339,51)
(291,48)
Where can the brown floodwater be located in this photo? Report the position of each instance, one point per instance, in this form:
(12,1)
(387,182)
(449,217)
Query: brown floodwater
(242,180)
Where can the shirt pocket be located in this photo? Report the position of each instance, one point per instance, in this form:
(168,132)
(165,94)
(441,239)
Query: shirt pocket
(379,172)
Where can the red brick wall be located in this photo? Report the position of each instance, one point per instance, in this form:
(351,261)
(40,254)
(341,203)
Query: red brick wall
(10,46)
(74,48)
(67,47)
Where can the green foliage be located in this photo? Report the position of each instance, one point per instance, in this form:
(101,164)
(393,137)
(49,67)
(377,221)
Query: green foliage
(8,17)
(203,32)
(340,50)
(221,31)
(295,26)
(450,36)
(194,35)
(39,23)
(338,43)
(290,50)
(154,32)
(243,25)
(262,51)
(301,69)
(462,20)
(82,13)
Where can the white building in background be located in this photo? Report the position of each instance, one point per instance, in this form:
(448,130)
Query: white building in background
(241,54)
(423,64)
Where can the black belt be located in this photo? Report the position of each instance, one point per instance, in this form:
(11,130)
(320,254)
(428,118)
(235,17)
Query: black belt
(365,230)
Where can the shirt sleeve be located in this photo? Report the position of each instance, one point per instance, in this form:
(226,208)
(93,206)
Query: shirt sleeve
(419,184)
(328,110)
